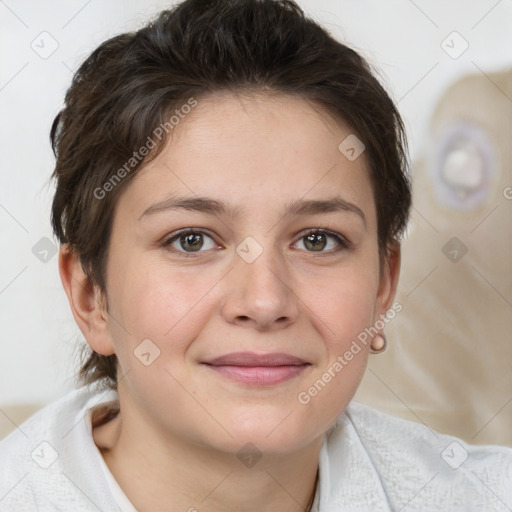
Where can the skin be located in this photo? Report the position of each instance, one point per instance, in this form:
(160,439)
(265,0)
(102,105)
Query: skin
(174,444)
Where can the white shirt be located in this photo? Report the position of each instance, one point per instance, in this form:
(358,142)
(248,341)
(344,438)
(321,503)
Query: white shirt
(369,461)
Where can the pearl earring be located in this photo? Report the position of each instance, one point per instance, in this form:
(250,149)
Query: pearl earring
(378,344)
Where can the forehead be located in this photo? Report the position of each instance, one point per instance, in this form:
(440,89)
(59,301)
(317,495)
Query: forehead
(253,151)
(259,123)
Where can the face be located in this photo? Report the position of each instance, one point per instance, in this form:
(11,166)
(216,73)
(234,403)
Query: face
(242,315)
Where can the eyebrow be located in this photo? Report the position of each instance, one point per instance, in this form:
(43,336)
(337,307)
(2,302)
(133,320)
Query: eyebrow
(216,207)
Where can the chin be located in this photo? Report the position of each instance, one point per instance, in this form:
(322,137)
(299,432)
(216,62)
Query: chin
(277,430)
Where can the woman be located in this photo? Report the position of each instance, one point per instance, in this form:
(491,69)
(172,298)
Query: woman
(232,189)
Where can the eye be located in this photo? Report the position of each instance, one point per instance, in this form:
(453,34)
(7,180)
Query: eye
(189,241)
(318,239)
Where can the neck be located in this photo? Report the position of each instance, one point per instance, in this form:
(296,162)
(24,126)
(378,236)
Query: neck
(168,473)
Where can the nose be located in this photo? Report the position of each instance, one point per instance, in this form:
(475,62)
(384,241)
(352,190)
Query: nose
(260,294)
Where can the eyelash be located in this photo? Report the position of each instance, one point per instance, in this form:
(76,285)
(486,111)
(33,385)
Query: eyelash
(344,244)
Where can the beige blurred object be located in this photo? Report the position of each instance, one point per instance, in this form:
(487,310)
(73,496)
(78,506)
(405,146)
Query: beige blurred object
(449,357)
(11,416)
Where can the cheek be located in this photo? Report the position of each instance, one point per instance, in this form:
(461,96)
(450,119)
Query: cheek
(153,301)
(344,305)
(343,312)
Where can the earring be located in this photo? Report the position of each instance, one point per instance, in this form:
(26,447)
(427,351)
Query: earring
(378,344)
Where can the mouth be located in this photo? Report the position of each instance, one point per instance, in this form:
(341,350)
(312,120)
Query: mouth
(257,369)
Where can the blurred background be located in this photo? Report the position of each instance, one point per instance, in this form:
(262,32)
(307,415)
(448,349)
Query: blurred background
(448,65)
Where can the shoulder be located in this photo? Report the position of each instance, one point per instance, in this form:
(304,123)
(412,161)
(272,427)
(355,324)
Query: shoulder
(54,416)
(40,460)
(376,428)
(41,424)
(414,461)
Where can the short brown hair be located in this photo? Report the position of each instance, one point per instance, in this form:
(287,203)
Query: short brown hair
(132,83)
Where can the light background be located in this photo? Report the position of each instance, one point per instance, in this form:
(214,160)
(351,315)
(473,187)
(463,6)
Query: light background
(38,334)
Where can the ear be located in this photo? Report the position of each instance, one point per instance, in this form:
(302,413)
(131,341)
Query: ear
(388,279)
(87,302)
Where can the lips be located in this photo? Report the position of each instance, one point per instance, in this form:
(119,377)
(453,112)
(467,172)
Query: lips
(257,369)
(252,359)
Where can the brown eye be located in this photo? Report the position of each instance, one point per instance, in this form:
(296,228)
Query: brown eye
(319,240)
(189,241)
(315,241)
